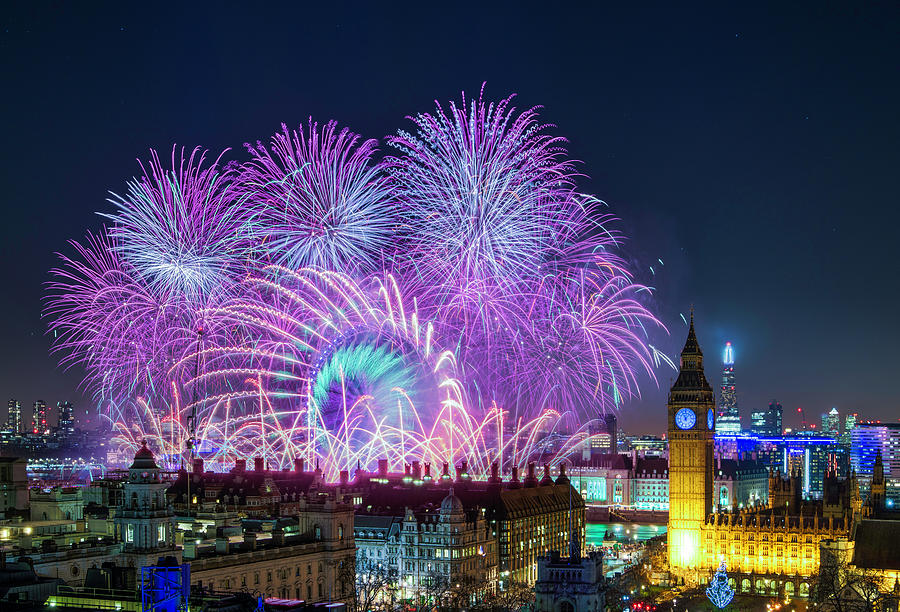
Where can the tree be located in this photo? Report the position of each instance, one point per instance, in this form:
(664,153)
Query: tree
(515,597)
(375,586)
(841,587)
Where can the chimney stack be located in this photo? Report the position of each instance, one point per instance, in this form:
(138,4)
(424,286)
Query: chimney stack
(514,481)
(463,472)
(416,470)
(240,465)
(531,479)
(298,464)
(445,475)
(427,472)
(345,477)
(382,467)
(258,464)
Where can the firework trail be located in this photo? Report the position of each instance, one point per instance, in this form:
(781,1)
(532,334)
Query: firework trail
(319,200)
(106,320)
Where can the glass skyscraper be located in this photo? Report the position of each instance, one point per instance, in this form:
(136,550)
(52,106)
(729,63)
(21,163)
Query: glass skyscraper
(14,417)
(729,420)
(767,423)
(831,423)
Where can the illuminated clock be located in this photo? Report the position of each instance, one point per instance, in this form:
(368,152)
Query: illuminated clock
(685,418)
(710,419)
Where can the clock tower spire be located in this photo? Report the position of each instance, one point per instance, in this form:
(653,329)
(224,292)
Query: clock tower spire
(692,422)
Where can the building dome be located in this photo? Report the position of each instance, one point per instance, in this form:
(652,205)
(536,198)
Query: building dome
(143,459)
(451,504)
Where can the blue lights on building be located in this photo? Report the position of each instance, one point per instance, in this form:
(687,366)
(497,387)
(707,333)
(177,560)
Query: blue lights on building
(165,587)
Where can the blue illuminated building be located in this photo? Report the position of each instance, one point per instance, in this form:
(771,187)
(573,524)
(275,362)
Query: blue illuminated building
(866,439)
(810,455)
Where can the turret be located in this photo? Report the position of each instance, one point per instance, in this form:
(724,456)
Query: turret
(877,491)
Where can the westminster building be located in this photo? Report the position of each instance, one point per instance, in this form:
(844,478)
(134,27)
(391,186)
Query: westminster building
(770,548)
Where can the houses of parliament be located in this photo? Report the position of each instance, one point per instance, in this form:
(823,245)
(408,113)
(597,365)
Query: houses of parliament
(770,549)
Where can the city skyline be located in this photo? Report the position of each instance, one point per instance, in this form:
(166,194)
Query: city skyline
(706,216)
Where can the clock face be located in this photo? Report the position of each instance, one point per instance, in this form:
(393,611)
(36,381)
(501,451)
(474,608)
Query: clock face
(710,418)
(685,418)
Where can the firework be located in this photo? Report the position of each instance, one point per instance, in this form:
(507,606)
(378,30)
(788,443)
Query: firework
(460,300)
(103,318)
(180,229)
(515,264)
(319,200)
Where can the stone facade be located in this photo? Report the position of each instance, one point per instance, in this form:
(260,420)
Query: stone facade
(570,584)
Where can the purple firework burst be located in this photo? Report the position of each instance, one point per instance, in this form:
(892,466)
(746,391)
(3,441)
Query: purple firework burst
(104,318)
(180,229)
(319,200)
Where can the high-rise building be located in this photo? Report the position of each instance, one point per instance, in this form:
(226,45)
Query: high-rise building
(39,418)
(729,421)
(66,418)
(603,437)
(849,423)
(14,416)
(612,427)
(866,440)
(767,423)
(692,416)
(831,423)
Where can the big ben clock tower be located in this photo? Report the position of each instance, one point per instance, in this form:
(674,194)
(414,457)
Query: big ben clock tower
(692,423)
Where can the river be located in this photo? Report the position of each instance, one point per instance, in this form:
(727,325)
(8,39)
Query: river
(623,531)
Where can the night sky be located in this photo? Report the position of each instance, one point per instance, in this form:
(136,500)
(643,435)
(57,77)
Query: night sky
(755,152)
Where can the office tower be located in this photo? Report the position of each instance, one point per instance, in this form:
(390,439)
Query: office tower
(14,416)
(39,418)
(767,423)
(866,440)
(729,421)
(831,423)
(66,418)
(849,423)
(612,431)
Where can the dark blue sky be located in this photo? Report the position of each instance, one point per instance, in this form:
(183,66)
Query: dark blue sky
(754,150)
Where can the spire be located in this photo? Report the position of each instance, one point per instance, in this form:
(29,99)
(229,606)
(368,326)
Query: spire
(691,346)
(691,377)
